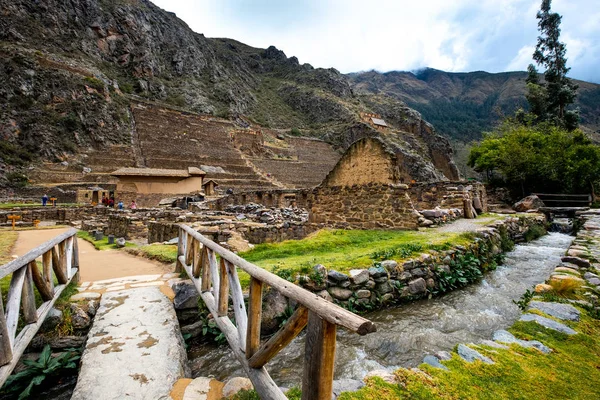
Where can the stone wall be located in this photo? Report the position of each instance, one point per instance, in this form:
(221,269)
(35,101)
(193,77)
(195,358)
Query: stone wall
(391,281)
(269,198)
(372,206)
(273,234)
(426,196)
(366,161)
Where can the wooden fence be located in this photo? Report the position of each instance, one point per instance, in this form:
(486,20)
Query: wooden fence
(217,281)
(59,255)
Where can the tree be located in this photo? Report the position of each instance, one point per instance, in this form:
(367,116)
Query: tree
(548,101)
(542,157)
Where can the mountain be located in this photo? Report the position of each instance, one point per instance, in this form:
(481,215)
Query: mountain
(75,71)
(463,105)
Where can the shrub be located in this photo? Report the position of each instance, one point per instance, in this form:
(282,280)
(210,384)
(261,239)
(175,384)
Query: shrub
(295,132)
(94,83)
(16,180)
(37,371)
(564,287)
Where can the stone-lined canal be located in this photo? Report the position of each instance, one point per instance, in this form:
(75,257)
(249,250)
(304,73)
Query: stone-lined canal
(405,334)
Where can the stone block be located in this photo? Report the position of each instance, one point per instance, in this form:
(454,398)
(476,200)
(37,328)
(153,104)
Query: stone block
(53,319)
(378,272)
(340,293)
(363,293)
(359,276)
(383,288)
(417,286)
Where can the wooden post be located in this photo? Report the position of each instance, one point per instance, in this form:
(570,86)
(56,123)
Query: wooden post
(239,307)
(14,219)
(197,261)
(13,302)
(254,317)
(56,266)
(205,270)
(319,358)
(45,290)
(178,266)
(223,298)
(28,297)
(5,347)
(47,268)
(75,261)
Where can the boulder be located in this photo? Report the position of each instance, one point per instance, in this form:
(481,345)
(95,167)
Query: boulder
(470,355)
(120,242)
(274,304)
(340,293)
(79,318)
(194,329)
(363,294)
(53,319)
(417,286)
(234,385)
(337,277)
(359,276)
(346,385)
(528,203)
(186,295)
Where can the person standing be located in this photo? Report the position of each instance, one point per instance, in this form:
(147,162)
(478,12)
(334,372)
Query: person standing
(120,205)
(44,199)
(133,206)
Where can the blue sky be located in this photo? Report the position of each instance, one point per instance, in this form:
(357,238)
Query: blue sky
(353,35)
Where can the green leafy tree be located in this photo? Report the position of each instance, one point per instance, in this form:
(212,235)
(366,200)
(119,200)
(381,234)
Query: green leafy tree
(542,157)
(548,101)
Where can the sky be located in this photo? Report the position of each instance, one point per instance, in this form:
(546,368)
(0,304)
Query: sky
(386,35)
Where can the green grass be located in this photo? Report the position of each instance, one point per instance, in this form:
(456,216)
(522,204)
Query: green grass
(100,244)
(164,253)
(344,250)
(518,373)
(32,205)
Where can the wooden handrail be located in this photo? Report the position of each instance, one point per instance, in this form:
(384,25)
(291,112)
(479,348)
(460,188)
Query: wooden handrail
(25,277)
(323,308)
(218,281)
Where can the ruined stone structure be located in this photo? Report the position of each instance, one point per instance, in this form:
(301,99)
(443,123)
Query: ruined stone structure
(148,185)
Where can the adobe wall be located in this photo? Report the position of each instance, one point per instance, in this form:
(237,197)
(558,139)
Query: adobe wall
(366,161)
(157,184)
(372,206)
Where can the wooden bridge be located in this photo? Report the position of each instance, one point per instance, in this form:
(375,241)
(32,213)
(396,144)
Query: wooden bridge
(213,271)
(566,205)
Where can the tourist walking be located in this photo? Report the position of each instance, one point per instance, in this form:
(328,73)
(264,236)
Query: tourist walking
(120,205)
(133,206)
(44,199)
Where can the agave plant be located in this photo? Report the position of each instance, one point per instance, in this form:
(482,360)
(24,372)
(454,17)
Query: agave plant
(37,371)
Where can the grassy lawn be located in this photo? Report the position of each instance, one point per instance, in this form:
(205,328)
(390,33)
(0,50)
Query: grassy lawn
(518,373)
(344,250)
(101,244)
(164,253)
(32,205)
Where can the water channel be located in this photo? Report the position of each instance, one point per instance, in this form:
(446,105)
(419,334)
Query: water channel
(407,333)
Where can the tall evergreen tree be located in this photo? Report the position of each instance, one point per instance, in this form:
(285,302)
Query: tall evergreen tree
(549,100)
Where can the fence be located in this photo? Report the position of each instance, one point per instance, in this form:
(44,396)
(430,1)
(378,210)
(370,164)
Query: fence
(59,255)
(217,281)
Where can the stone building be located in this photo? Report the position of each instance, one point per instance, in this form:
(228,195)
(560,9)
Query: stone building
(147,186)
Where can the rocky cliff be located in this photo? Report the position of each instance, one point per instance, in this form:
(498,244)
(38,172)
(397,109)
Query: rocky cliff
(71,69)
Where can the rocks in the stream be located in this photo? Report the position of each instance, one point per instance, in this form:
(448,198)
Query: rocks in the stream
(434,362)
(346,385)
(580,262)
(79,318)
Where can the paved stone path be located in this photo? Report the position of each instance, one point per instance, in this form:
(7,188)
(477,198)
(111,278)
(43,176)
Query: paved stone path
(467,225)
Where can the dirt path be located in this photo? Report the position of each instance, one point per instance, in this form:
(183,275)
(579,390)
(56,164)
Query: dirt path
(466,225)
(95,265)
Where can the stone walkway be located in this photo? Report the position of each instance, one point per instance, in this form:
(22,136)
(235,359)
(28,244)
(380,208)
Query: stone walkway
(467,225)
(134,350)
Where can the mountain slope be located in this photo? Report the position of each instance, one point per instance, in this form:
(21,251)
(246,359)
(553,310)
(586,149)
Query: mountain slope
(462,105)
(73,70)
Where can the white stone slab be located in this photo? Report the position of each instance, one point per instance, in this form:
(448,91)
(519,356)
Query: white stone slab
(145,284)
(134,349)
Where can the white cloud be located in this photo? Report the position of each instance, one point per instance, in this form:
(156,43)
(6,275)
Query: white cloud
(353,35)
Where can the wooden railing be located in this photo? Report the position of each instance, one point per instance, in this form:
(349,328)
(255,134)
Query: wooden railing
(217,282)
(565,200)
(59,255)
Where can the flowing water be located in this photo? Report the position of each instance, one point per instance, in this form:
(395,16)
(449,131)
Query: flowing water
(407,333)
